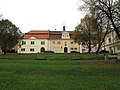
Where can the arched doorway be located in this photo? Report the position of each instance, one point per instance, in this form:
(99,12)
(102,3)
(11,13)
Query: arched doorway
(42,49)
(65,49)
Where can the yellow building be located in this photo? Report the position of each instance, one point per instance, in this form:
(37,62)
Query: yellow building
(62,42)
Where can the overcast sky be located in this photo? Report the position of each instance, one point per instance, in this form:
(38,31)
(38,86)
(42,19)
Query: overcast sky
(41,14)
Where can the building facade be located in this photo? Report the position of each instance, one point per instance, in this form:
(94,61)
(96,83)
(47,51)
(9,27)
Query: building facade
(63,42)
(111,43)
(35,41)
(38,41)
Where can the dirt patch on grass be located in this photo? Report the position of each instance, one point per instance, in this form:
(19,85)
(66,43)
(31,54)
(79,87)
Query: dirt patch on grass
(101,62)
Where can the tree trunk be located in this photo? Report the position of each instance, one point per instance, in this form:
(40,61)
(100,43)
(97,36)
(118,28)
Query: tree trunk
(89,49)
(115,28)
(89,46)
(101,42)
(99,46)
(113,24)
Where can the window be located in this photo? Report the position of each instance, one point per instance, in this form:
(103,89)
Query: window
(75,48)
(71,48)
(109,40)
(65,42)
(116,38)
(42,42)
(111,50)
(58,42)
(65,35)
(83,50)
(118,47)
(32,49)
(23,42)
(22,49)
(71,42)
(53,42)
(32,43)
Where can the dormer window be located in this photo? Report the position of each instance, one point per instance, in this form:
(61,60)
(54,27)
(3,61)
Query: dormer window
(65,35)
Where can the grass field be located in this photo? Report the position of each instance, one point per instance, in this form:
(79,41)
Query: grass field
(57,74)
(51,56)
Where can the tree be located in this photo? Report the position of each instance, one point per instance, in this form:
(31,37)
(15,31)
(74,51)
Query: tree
(95,32)
(108,9)
(101,31)
(9,35)
(84,33)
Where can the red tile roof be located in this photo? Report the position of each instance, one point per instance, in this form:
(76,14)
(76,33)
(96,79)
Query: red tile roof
(39,31)
(46,34)
(43,34)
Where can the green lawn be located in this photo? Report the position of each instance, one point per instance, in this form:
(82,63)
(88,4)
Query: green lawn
(52,56)
(58,75)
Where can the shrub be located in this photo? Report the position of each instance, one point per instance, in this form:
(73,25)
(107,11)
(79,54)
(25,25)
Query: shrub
(103,51)
(49,51)
(74,52)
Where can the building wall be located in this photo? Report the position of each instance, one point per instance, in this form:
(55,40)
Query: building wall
(59,42)
(58,46)
(111,43)
(36,46)
(85,49)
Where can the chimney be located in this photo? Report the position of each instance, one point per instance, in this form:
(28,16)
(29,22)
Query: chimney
(63,27)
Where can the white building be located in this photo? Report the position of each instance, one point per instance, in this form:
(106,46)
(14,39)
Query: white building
(112,43)
(35,41)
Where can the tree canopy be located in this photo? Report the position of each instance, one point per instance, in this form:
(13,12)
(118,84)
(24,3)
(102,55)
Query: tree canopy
(85,33)
(9,35)
(91,32)
(109,10)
